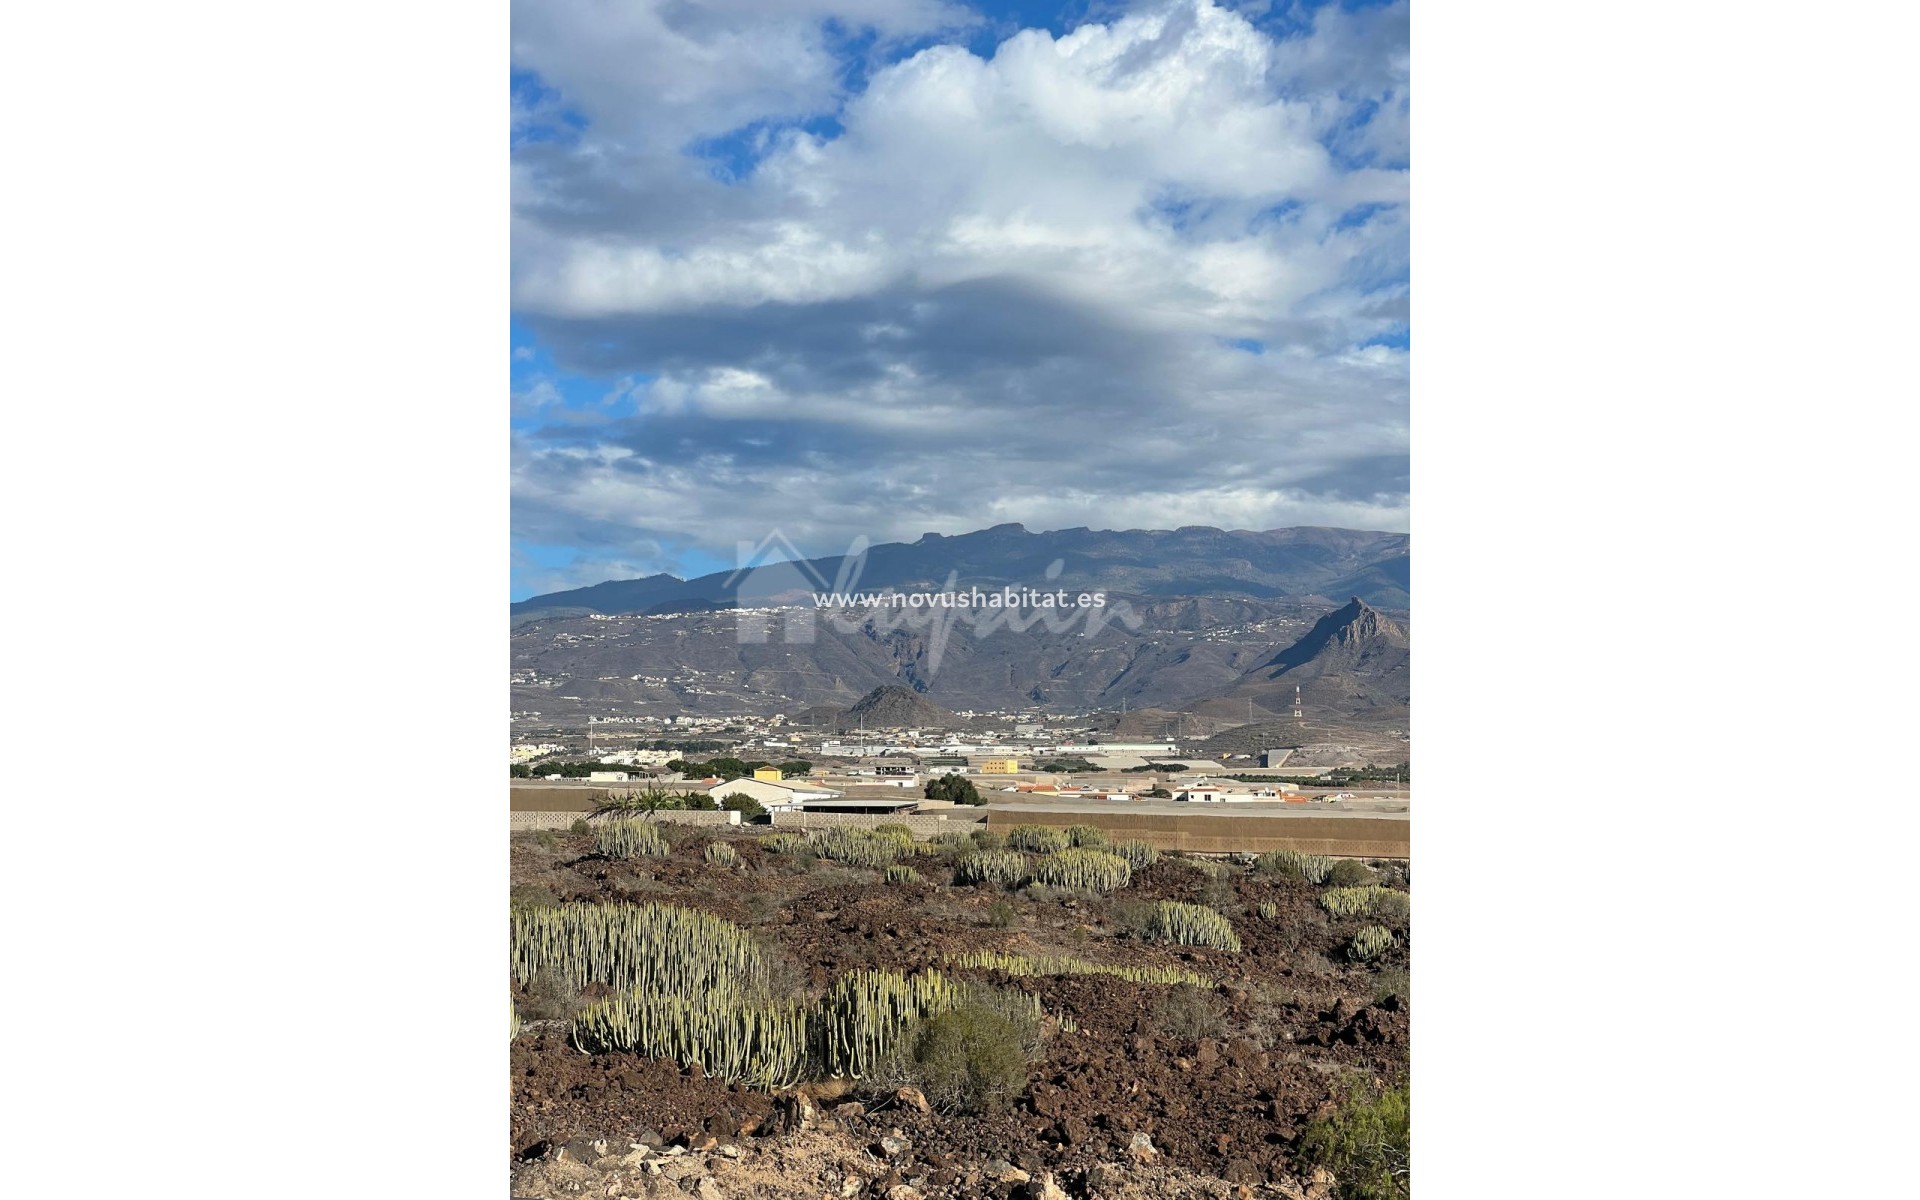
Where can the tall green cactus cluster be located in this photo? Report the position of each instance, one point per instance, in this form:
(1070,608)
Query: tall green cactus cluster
(1191,925)
(759,1044)
(1370,942)
(782,843)
(1311,867)
(1039,839)
(874,849)
(623,838)
(1004,867)
(1084,870)
(952,839)
(1351,901)
(901,873)
(1269,911)
(656,948)
(1139,855)
(865,1013)
(1090,836)
(720,854)
(1026,965)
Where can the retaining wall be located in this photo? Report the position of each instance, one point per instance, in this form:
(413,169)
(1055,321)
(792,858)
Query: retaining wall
(1206,833)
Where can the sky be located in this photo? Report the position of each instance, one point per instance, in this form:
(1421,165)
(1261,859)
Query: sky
(879,268)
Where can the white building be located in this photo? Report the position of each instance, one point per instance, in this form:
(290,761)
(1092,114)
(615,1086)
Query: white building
(774,797)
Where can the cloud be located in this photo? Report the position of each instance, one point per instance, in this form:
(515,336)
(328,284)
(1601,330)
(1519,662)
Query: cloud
(1150,272)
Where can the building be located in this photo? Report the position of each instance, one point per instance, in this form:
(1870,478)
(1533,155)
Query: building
(768,774)
(609,777)
(999,766)
(773,797)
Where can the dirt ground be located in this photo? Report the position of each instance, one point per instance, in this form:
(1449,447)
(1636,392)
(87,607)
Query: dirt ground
(1226,1094)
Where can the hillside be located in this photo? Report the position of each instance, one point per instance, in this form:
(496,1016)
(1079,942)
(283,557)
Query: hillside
(1353,662)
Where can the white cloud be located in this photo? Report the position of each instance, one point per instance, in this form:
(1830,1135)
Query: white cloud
(1006,288)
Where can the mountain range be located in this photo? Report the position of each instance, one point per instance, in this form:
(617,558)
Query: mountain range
(1306,564)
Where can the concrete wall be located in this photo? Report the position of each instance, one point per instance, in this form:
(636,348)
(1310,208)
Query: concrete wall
(923,826)
(536,819)
(1224,833)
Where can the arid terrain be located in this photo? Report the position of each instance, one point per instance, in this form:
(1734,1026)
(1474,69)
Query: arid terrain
(1137,1087)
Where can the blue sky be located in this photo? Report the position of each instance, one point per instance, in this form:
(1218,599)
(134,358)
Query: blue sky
(885,267)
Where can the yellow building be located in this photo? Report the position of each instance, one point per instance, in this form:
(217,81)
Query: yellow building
(999,766)
(769,774)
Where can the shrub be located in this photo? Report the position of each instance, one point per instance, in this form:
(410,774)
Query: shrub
(1370,942)
(761,1044)
(895,829)
(623,838)
(987,839)
(1191,925)
(1393,908)
(1363,1143)
(1040,839)
(1083,870)
(1003,867)
(528,895)
(1001,915)
(550,996)
(720,853)
(579,827)
(1348,872)
(902,874)
(1311,867)
(1391,982)
(1139,855)
(1089,836)
(1023,964)
(969,1060)
(743,804)
(546,840)
(1351,901)
(860,847)
(1187,1013)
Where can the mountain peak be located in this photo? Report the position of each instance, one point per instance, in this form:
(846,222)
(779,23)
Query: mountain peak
(891,706)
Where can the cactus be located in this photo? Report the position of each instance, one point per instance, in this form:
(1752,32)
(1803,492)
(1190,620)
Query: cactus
(1004,867)
(622,838)
(1370,942)
(653,947)
(952,839)
(516,1020)
(1025,965)
(1351,901)
(1139,855)
(902,874)
(720,853)
(783,843)
(1311,867)
(762,1045)
(1269,911)
(1040,839)
(1091,837)
(865,1014)
(1083,870)
(868,848)
(1191,925)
